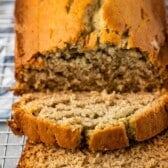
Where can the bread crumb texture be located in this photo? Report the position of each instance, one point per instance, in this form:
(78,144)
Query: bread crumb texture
(152,153)
(78,49)
(89,45)
(100,121)
(107,68)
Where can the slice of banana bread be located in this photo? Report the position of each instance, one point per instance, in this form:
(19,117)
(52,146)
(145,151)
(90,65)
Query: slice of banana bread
(89,45)
(153,153)
(99,121)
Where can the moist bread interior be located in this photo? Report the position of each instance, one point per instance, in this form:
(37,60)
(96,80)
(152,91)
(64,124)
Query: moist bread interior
(108,68)
(89,111)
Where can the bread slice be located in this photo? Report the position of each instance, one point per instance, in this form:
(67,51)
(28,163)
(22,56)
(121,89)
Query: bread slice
(89,45)
(99,121)
(152,153)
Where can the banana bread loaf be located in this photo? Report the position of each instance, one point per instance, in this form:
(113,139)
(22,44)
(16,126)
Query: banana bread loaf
(89,45)
(152,153)
(101,60)
(99,121)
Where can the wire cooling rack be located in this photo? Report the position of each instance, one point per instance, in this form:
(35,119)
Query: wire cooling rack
(10,145)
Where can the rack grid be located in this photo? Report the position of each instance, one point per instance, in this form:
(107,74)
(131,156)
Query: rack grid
(11,146)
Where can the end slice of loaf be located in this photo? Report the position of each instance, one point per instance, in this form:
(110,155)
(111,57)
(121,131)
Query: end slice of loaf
(99,121)
(152,153)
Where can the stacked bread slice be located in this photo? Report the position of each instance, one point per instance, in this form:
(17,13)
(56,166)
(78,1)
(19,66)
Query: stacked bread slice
(100,121)
(92,75)
(152,153)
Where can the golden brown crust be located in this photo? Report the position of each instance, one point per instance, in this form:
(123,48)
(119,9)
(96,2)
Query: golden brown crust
(110,138)
(26,28)
(150,122)
(163,55)
(143,125)
(38,30)
(138,20)
(43,130)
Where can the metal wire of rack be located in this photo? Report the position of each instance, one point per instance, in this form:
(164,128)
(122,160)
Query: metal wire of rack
(11,146)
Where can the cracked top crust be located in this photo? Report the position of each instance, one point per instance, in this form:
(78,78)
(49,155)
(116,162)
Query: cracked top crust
(45,26)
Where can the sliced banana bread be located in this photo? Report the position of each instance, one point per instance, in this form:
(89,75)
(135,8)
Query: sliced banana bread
(150,154)
(96,120)
(89,45)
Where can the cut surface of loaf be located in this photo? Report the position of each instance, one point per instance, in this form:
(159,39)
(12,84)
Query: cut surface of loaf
(97,42)
(96,120)
(108,68)
(153,153)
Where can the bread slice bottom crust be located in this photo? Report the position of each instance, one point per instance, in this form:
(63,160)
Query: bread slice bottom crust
(142,125)
(151,153)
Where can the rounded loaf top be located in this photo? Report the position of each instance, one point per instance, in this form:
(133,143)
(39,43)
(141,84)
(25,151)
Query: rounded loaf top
(43,26)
